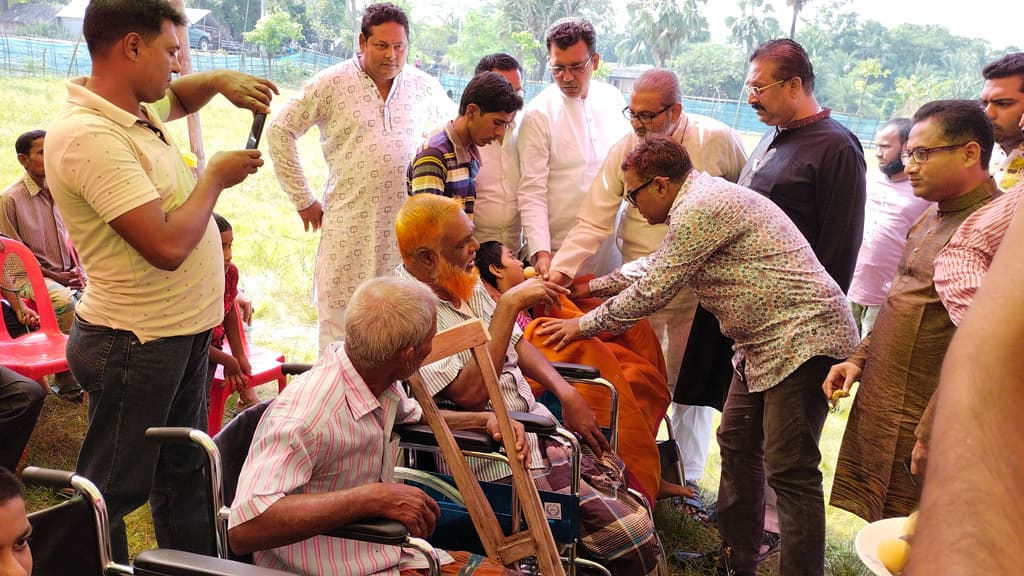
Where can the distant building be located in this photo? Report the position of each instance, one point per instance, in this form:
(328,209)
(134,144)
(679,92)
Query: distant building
(20,17)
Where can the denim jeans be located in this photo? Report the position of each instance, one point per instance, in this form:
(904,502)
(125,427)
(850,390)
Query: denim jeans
(21,400)
(775,433)
(133,386)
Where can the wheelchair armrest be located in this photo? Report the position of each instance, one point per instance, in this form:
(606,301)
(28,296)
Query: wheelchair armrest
(536,424)
(422,435)
(576,371)
(375,530)
(162,562)
(293,368)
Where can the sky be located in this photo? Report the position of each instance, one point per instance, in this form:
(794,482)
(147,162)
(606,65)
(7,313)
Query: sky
(1001,22)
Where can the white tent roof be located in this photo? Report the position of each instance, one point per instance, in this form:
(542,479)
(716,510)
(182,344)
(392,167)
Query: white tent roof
(76,9)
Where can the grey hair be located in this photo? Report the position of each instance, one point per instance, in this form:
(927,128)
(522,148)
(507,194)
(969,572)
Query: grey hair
(386,315)
(662,81)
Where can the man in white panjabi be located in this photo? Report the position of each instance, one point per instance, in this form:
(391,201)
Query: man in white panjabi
(655,108)
(372,112)
(565,135)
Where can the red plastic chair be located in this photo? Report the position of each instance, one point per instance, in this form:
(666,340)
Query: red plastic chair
(39,353)
(266,367)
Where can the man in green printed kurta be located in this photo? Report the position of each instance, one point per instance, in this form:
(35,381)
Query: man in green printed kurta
(898,363)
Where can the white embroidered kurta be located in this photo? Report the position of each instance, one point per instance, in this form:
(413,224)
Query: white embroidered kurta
(562,143)
(368,142)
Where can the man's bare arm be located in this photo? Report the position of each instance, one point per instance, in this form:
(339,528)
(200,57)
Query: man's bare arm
(297,517)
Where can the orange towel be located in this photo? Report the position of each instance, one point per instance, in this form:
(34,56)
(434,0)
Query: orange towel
(634,364)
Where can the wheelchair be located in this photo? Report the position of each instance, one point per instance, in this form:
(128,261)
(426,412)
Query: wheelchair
(225,455)
(73,538)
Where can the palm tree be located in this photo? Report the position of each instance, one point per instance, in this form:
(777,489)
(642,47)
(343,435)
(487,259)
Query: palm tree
(659,28)
(797,5)
(750,30)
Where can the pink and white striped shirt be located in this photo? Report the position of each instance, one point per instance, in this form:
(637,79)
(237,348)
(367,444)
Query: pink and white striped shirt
(961,266)
(325,432)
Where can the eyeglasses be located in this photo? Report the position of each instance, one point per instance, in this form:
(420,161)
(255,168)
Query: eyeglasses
(747,90)
(920,155)
(573,69)
(399,47)
(645,118)
(631,194)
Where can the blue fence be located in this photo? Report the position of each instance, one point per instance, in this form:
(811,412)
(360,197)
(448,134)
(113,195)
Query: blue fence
(20,56)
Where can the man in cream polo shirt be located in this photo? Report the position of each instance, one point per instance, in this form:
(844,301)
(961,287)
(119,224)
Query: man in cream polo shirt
(143,229)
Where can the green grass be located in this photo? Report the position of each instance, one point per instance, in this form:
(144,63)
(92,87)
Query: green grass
(275,257)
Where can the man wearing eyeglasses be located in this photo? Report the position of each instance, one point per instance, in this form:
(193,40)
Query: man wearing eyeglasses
(751,267)
(496,214)
(1002,97)
(449,160)
(655,109)
(813,168)
(566,134)
(372,113)
(947,160)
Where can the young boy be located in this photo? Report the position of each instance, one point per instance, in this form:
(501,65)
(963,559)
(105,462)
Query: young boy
(15,555)
(236,364)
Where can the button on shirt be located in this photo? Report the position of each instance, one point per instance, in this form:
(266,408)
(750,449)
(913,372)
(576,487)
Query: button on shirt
(750,267)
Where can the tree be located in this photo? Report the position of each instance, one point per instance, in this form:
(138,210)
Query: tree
(273,32)
(797,5)
(749,29)
(536,16)
(710,70)
(658,28)
(480,33)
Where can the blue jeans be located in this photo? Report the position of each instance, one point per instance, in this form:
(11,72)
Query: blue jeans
(133,386)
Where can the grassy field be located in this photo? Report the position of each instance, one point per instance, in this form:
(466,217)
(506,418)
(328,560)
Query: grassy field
(275,257)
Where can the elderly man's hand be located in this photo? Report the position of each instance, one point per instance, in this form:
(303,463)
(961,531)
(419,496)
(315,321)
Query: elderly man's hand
(533,292)
(522,448)
(410,506)
(246,91)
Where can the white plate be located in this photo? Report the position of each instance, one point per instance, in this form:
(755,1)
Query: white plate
(868,538)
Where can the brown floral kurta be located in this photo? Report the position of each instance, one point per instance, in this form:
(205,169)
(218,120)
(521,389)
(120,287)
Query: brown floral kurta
(901,361)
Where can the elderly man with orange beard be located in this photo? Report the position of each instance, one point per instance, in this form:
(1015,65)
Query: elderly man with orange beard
(435,238)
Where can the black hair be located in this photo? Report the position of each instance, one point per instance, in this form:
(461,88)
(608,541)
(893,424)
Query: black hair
(10,487)
(487,254)
(498,61)
(567,32)
(382,13)
(222,223)
(108,21)
(491,92)
(659,156)
(1010,65)
(791,61)
(961,121)
(902,126)
(24,142)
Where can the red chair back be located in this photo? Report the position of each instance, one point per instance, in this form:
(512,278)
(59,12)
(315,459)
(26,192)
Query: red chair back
(38,353)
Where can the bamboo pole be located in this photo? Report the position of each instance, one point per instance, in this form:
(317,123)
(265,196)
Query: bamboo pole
(195,130)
